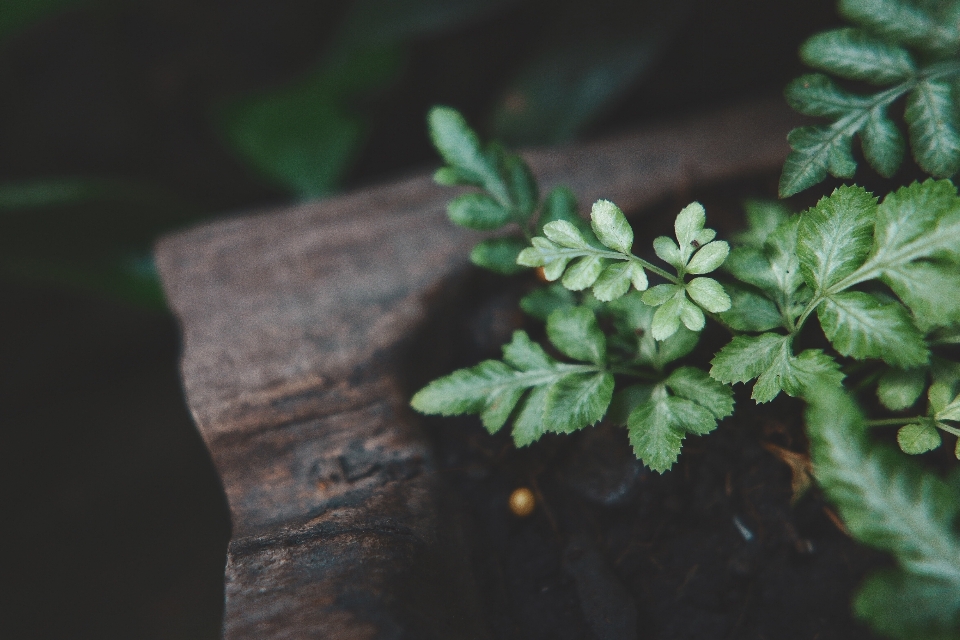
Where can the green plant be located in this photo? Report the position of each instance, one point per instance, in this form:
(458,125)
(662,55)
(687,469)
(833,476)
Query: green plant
(881,279)
(908,48)
(895,505)
(305,136)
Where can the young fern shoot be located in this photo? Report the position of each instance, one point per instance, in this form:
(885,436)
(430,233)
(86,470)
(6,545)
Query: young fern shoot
(508,195)
(604,263)
(545,395)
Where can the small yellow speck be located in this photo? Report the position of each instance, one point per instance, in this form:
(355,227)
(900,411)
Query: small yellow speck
(522,502)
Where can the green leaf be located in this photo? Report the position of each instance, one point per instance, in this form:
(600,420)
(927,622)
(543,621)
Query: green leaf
(746,357)
(499,406)
(918,438)
(688,225)
(709,294)
(798,375)
(932,118)
(666,319)
(625,401)
(884,499)
(704,236)
(917,247)
(450,177)
(552,269)
(634,318)
(691,315)
(657,426)
(638,277)
(899,389)
(577,401)
(939,395)
(22,196)
(542,253)
(861,326)
(565,234)
(616,279)
(499,255)
(915,222)
(835,236)
(668,251)
(929,289)
(781,252)
(852,54)
(943,402)
(466,390)
(522,186)
(540,303)
(763,218)
(477,211)
(576,333)
(305,136)
(583,273)
(659,294)
(750,265)
(528,426)
(906,606)
(708,257)
(524,354)
(460,148)
(883,144)
(819,149)
(655,432)
(493,390)
(749,310)
(815,94)
(611,226)
(697,385)
(768,358)
(900,21)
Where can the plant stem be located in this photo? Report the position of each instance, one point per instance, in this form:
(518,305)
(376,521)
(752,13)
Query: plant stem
(948,429)
(655,269)
(892,422)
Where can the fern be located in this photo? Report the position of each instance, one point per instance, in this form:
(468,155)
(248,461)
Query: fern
(898,507)
(880,279)
(907,49)
(508,195)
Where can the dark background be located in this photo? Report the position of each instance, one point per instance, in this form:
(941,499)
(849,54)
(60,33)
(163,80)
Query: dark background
(124,119)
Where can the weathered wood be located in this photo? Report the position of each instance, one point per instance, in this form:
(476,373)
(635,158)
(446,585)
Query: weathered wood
(293,323)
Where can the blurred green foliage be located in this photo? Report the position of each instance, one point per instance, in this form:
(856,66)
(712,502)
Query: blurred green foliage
(304,136)
(590,57)
(89,234)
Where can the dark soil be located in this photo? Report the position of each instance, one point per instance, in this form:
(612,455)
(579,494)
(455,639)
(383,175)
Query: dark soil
(713,549)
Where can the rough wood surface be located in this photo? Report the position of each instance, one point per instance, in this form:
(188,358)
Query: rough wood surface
(294,325)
